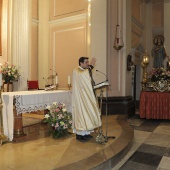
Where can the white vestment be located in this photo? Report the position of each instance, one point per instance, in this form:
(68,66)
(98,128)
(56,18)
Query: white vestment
(85,110)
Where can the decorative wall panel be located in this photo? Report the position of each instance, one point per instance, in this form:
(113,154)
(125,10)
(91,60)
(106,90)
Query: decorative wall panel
(34,53)
(66,8)
(67,44)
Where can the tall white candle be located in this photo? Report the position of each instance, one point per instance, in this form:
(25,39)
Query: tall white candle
(69,80)
(0,79)
(56,79)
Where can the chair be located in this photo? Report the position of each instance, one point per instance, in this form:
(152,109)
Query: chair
(32,85)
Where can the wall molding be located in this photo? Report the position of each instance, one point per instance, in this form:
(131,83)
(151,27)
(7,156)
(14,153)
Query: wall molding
(68,20)
(35,22)
(137,27)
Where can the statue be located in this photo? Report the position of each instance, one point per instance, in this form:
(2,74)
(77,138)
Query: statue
(158,51)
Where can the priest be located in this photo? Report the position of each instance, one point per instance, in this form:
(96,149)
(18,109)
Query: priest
(85,110)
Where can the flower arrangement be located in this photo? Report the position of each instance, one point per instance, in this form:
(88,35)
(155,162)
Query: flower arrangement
(10,73)
(59,119)
(157,74)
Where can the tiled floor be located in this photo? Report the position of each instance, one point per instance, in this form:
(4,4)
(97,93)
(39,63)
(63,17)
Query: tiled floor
(151,146)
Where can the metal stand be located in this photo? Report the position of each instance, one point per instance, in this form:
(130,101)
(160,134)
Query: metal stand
(101,139)
(107,137)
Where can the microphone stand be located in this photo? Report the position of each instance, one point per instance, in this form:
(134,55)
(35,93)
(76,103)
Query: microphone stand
(107,137)
(100,137)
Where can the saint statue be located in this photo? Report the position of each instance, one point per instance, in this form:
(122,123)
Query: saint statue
(158,51)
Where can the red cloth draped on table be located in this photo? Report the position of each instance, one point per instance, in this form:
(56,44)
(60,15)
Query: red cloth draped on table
(155,105)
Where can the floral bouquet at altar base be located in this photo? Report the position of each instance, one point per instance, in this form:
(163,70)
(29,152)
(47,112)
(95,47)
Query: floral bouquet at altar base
(9,72)
(59,120)
(157,74)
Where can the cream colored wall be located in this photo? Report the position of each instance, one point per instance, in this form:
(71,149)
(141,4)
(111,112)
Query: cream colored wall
(33,65)
(35,9)
(136,24)
(68,37)
(33,61)
(167,26)
(136,12)
(99,37)
(6,30)
(68,43)
(120,79)
(61,9)
(43,41)
(158,15)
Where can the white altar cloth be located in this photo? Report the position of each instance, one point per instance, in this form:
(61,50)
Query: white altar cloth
(28,101)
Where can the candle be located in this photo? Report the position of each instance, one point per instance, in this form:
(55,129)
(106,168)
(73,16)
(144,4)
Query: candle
(56,79)
(0,79)
(69,80)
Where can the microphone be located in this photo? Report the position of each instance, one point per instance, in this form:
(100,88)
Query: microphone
(47,85)
(103,74)
(53,71)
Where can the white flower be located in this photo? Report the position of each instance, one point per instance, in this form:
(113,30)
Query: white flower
(48,107)
(64,110)
(55,103)
(47,116)
(64,104)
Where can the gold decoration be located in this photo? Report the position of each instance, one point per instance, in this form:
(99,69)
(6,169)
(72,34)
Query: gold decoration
(144,64)
(2,136)
(161,85)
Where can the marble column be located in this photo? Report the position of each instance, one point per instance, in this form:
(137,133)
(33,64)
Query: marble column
(20,40)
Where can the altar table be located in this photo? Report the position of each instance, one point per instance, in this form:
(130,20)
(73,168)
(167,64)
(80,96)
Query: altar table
(154,105)
(28,101)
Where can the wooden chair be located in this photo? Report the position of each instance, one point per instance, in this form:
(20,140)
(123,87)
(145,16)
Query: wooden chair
(32,85)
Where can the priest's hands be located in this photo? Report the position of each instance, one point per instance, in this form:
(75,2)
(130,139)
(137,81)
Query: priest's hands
(93,61)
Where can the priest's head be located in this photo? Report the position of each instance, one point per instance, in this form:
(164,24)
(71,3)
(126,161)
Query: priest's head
(84,62)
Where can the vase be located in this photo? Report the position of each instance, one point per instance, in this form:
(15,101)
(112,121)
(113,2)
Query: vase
(7,87)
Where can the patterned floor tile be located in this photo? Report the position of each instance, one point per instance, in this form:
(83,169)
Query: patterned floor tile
(167,152)
(130,165)
(163,129)
(148,125)
(158,140)
(135,122)
(151,146)
(157,150)
(164,164)
(146,158)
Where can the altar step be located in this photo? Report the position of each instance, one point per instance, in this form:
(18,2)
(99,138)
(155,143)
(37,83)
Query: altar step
(110,155)
(68,153)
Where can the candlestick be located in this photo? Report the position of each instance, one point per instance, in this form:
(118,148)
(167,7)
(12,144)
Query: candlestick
(69,86)
(0,79)
(69,80)
(56,80)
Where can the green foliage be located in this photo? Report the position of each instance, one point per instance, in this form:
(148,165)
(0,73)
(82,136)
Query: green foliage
(58,119)
(9,72)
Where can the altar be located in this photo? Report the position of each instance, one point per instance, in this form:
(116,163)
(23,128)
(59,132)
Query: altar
(154,105)
(29,101)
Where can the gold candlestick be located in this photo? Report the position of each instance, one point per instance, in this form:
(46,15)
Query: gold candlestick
(2,136)
(144,65)
(69,86)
